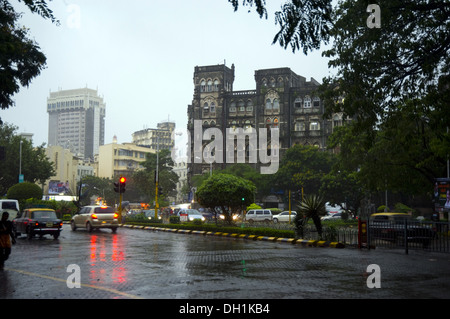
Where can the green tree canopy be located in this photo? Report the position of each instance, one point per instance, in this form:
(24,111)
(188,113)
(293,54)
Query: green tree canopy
(226,193)
(21,59)
(36,167)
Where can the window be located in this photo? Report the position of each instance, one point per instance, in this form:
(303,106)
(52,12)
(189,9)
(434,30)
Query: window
(316,102)
(314,126)
(209,87)
(268,104)
(299,126)
(307,102)
(276,105)
(203,86)
(232,107)
(241,106)
(216,85)
(298,103)
(213,107)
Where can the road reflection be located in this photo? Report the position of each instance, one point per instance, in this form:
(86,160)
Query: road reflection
(107,252)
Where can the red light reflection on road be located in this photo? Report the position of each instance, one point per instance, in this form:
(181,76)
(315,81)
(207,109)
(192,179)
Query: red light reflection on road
(107,259)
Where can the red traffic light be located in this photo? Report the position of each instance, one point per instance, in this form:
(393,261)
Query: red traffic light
(122,180)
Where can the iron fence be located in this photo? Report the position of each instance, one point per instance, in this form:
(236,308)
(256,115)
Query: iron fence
(409,234)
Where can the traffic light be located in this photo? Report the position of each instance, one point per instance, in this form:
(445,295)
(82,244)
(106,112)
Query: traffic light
(122,184)
(119,187)
(159,190)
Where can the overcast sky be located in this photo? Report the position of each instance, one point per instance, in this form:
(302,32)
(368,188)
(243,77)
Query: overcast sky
(140,56)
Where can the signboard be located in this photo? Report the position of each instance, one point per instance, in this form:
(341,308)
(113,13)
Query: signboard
(441,194)
(184,217)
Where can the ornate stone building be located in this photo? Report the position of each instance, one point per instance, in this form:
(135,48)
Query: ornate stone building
(281,99)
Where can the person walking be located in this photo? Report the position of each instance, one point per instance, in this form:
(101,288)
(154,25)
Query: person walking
(6,238)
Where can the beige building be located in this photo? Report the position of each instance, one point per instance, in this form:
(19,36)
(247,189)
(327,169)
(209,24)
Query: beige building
(69,168)
(121,159)
(154,138)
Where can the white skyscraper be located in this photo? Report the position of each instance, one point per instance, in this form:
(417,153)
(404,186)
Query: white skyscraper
(76,121)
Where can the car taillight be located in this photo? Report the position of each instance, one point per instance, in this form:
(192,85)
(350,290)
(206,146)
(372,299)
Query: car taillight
(116,216)
(94,216)
(60,224)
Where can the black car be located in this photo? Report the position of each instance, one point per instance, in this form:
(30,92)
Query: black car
(37,221)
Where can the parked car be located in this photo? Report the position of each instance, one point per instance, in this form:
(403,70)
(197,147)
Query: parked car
(11,206)
(37,221)
(94,217)
(150,214)
(284,216)
(332,216)
(391,227)
(259,215)
(190,215)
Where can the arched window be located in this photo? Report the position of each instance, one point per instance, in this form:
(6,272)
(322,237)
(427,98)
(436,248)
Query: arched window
(241,106)
(268,104)
(276,105)
(316,102)
(307,102)
(298,103)
(212,108)
(232,107)
(275,122)
(299,126)
(209,88)
(216,85)
(203,86)
(314,125)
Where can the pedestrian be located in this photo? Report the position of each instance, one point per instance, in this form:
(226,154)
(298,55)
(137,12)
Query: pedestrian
(6,237)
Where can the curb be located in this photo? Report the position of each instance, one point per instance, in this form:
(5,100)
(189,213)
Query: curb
(303,242)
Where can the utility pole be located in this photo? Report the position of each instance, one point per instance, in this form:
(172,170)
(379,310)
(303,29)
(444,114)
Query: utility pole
(157,178)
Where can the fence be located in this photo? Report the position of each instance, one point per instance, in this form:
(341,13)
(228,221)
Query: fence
(408,234)
(429,236)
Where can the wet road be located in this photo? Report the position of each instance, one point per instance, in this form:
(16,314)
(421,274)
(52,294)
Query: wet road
(149,264)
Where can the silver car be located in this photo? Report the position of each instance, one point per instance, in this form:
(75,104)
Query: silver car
(93,217)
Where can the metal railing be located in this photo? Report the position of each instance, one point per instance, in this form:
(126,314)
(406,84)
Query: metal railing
(407,234)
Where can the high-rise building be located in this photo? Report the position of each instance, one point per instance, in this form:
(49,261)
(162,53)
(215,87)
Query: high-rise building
(76,121)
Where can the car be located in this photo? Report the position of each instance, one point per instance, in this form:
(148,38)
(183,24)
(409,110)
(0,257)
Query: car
(332,216)
(95,217)
(150,214)
(190,215)
(258,215)
(11,206)
(37,221)
(284,216)
(391,226)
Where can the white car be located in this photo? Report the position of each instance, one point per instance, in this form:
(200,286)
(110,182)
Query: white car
(332,216)
(190,215)
(284,216)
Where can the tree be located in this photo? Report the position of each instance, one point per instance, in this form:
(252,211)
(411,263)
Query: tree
(225,193)
(303,167)
(35,165)
(21,59)
(312,206)
(144,180)
(24,191)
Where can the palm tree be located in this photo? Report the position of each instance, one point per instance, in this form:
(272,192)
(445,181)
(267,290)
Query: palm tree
(313,207)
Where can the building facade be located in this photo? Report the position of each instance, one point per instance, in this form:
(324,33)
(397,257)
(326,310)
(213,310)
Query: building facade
(121,159)
(76,121)
(156,138)
(282,99)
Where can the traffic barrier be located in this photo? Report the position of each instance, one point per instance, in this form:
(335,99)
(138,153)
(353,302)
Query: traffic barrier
(303,242)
